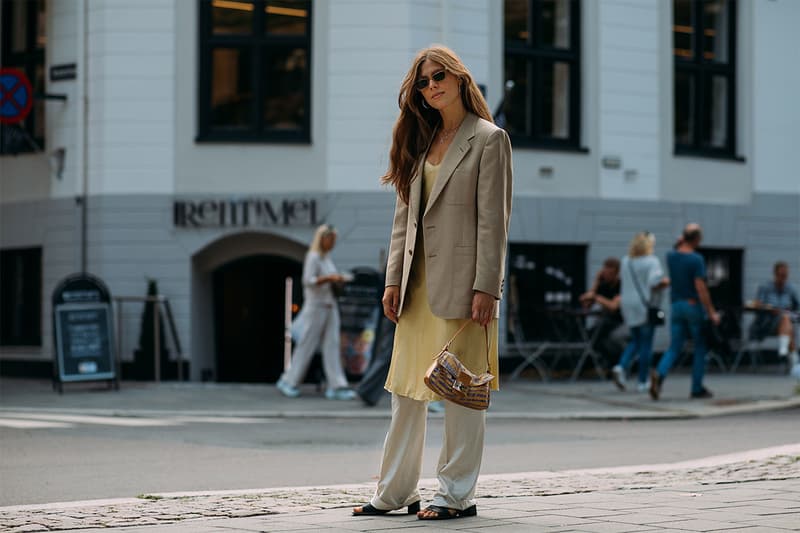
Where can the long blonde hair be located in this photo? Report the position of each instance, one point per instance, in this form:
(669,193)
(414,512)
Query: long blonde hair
(416,124)
(642,243)
(322,232)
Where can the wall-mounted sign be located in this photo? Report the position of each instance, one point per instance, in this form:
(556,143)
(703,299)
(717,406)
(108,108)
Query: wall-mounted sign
(247,212)
(64,72)
(16,96)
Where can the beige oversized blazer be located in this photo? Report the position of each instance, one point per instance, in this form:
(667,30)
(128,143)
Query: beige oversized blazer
(465,223)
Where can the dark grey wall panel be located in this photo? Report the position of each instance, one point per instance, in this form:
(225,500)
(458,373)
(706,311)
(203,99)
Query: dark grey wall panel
(132,238)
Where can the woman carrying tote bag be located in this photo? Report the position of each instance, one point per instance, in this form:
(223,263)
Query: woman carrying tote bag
(451,169)
(642,280)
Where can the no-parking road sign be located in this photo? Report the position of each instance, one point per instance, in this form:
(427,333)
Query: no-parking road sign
(16,96)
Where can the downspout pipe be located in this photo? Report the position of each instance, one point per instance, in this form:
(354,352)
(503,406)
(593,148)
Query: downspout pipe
(82,112)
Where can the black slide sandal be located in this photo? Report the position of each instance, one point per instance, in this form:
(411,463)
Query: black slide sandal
(445,513)
(369,510)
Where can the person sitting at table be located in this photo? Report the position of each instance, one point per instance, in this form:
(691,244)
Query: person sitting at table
(605,296)
(774,299)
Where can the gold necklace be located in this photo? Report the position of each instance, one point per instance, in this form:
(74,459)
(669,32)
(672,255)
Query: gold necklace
(444,135)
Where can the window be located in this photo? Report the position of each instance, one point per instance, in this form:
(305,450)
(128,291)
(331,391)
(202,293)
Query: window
(543,277)
(255,70)
(23,43)
(21,302)
(542,59)
(704,41)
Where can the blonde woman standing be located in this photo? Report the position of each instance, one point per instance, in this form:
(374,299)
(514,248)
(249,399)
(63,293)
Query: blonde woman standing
(318,322)
(642,279)
(451,168)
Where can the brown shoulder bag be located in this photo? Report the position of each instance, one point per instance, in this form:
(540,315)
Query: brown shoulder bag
(451,380)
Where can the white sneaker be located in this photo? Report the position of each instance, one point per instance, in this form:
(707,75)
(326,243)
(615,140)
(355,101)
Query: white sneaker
(287,390)
(643,387)
(618,375)
(340,394)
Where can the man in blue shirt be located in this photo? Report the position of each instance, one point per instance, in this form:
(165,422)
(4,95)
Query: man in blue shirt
(776,298)
(691,306)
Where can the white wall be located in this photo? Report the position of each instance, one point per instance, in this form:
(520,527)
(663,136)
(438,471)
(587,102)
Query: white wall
(629,95)
(367,57)
(250,168)
(776,86)
(132,96)
(61,122)
(143,103)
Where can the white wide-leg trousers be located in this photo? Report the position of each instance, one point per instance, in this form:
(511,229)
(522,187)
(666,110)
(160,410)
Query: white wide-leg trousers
(459,460)
(322,327)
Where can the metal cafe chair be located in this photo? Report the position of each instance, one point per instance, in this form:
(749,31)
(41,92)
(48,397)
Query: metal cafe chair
(531,351)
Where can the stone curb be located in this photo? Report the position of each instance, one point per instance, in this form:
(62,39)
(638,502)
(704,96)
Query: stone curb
(750,457)
(625,412)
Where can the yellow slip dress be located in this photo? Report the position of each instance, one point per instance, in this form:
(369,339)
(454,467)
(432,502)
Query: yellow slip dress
(420,334)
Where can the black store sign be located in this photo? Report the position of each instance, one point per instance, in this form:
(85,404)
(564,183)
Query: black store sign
(247,212)
(82,329)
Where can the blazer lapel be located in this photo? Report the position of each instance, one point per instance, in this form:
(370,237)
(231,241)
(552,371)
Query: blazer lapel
(455,153)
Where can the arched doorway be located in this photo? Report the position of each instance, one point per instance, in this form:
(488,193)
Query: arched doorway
(237,305)
(249,296)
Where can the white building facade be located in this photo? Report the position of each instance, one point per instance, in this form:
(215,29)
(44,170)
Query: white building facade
(210,137)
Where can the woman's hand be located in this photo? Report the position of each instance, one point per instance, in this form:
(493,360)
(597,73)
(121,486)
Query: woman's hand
(330,278)
(482,308)
(390,301)
(587,298)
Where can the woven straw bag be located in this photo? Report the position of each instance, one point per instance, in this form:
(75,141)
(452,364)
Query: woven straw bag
(451,380)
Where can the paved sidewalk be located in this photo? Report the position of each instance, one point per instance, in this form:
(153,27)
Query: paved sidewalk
(521,399)
(751,491)
(758,491)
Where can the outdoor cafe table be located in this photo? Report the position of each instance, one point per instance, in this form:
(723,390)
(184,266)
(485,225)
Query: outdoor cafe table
(532,350)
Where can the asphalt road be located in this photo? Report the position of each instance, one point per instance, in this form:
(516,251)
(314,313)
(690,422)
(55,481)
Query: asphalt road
(87,458)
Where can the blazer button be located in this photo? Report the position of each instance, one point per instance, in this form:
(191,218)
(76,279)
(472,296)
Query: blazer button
(409,252)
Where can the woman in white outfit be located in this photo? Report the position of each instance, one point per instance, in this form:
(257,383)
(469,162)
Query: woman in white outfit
(642,279)
(318,322)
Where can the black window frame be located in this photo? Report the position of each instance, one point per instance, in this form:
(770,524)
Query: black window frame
(703,69)
(27,61)
(537,53)
(259,42)
(29,306)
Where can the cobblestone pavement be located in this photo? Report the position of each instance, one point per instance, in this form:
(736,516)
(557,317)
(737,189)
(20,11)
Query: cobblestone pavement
(760,489)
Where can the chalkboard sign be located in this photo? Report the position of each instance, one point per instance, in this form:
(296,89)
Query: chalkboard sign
(360,309)
(84,344)
(82,333)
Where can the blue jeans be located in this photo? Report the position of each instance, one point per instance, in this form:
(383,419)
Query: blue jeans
(641,343)
(687,319)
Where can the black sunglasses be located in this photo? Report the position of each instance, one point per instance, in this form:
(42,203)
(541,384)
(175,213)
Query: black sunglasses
(422,83)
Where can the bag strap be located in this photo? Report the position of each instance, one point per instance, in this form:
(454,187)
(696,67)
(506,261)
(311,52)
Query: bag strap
(463,326)
(636,283)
